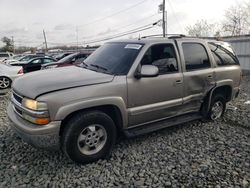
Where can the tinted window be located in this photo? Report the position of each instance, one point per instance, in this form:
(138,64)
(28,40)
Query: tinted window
(163,56)
(223,56)
(37,61)
(115,58)
(48,61)
(195,56)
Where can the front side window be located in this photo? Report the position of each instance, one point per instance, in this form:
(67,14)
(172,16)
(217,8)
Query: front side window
(113,58)
(222,55)
(195,56)
(163,56)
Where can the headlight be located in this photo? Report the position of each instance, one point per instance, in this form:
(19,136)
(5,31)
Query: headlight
(34,105)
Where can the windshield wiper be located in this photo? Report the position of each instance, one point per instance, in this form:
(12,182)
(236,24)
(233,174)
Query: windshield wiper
(82,64)
(99,67)
(105,70)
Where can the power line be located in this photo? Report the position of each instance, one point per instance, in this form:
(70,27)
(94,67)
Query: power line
(114,14)
(135,30)
(143,28)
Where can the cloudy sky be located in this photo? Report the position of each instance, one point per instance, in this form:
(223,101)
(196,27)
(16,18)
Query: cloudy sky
(66,20)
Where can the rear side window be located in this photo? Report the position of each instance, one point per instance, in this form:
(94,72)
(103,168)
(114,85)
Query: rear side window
(223,56)
(195,56)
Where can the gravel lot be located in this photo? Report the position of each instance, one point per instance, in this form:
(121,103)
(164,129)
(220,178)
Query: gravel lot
(214,154)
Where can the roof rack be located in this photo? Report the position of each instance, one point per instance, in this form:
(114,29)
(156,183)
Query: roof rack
(167,36)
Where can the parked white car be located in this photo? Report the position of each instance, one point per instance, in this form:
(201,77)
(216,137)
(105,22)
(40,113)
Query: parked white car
(5,55)
(8,74)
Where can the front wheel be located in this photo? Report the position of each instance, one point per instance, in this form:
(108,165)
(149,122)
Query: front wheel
(88,137)
(217,107)
(5,82)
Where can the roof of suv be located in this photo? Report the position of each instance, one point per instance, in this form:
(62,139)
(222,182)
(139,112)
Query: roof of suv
(159,39)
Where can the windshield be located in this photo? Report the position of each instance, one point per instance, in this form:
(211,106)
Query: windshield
(67,58)
(114,58)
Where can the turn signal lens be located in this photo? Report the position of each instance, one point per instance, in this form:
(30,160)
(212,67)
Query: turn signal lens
(42,121)
(38,121)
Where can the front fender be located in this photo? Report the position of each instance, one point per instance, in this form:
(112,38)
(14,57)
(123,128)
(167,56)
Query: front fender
(67,109)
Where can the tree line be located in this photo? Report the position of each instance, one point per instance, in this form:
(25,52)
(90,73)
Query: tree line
(236,22)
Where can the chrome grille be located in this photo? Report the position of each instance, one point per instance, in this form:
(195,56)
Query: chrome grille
(17,97)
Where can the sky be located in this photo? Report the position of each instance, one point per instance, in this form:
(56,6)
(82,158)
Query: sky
(70,22)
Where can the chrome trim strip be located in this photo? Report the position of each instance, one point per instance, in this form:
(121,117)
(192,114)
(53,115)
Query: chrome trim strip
(189,98)
(154,106)
(17,94)
(28,111)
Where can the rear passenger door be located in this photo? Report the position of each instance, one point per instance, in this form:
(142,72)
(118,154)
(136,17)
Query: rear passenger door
(198,73)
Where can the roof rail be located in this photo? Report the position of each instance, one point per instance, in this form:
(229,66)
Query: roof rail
(167,36)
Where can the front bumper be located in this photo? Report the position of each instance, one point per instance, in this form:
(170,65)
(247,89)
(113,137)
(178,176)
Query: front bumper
(40,136)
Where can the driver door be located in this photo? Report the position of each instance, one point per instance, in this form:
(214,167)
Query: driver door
(33,65)
(156,98)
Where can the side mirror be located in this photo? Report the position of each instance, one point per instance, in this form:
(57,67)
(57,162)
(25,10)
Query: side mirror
(147,71)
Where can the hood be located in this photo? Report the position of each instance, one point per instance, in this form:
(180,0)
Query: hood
(34,84)
(6,70)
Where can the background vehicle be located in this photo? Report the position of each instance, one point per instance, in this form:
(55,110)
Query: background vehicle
(72,59)
(61,55)
(5,55)
(34,64)
(131,87)
(8,74)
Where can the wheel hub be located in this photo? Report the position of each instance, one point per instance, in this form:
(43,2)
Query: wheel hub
(92,139)
(4,83)
(217,110)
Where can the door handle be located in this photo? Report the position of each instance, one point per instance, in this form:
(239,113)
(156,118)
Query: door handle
(210,76)
(178,81)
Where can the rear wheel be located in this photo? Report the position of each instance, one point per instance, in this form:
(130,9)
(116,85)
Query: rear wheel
(5,82)
(88,137)
(217,107)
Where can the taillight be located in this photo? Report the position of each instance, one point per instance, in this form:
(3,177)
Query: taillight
(20,71)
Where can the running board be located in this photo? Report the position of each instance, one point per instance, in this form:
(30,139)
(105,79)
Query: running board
(151,127)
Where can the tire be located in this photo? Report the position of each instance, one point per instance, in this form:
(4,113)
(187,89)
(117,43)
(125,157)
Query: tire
(79,138)
(217,107)
(5,82)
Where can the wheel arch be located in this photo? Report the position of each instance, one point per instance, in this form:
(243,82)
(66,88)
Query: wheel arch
(224,89)
(111,110)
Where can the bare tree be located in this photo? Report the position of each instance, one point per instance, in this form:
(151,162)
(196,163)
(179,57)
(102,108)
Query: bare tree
(8,44)
(237,20)
(201,29)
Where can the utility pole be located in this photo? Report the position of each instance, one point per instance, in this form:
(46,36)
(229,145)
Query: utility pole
(45,41)
(77,38)
(13,44)
(163,18)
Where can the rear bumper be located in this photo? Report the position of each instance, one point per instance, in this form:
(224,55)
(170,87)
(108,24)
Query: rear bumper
(45,136)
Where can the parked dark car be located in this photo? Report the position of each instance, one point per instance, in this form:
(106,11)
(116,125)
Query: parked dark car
(34,64)
(29,57)
(73,59)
